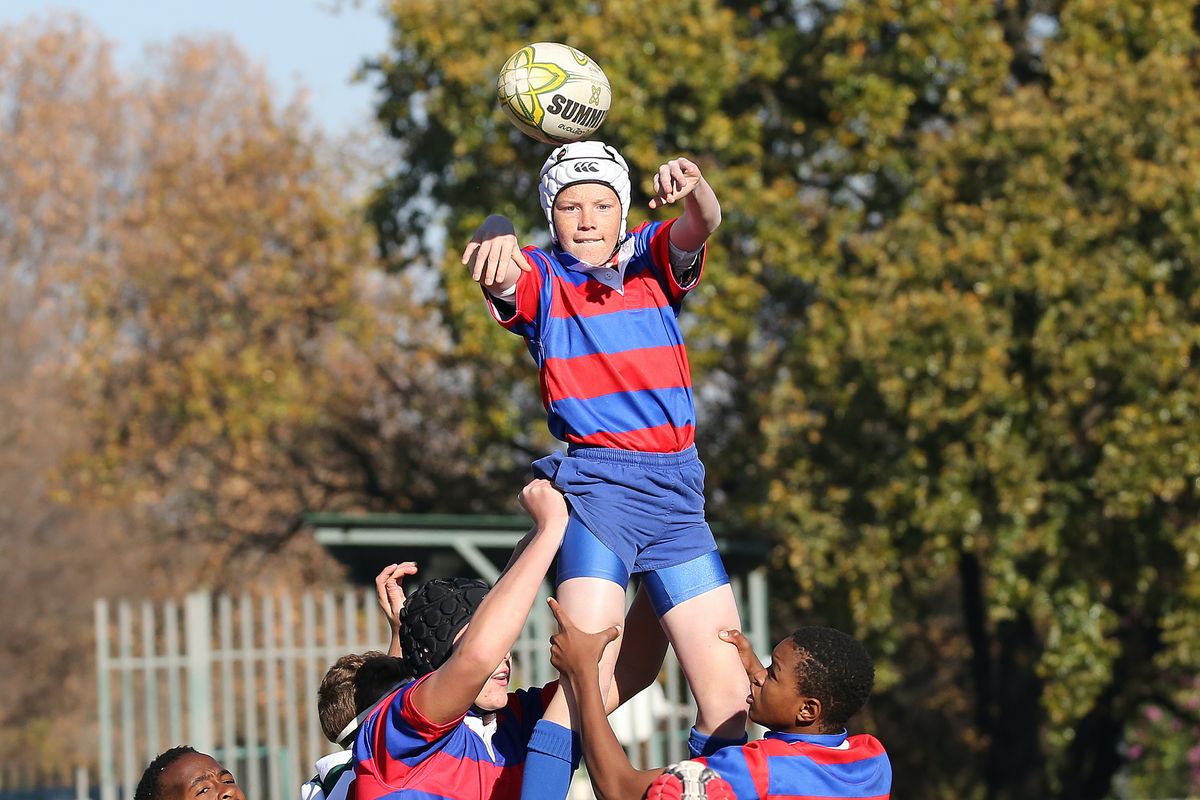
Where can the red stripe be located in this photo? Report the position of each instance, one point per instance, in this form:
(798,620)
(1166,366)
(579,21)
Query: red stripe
(528,288)
(599,374)
(660,439)
(445,775)
(592,298)
(756,765)
(862,748)
(427,729)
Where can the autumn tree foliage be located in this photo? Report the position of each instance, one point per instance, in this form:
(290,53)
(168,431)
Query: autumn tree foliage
(946,345)
(199,347)
(245,359)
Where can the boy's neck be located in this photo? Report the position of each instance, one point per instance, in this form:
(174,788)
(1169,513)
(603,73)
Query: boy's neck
(817,728)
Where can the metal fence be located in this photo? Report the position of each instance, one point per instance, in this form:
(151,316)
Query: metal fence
(237,677)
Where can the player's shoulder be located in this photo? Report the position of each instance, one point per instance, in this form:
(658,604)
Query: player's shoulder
(865,743)
(647,228)
(541,259)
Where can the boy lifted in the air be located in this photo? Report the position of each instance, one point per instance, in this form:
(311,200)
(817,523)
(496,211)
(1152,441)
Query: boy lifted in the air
(599,312)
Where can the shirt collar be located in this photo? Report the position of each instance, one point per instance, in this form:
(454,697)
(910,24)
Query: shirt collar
(823,739)
(611,273)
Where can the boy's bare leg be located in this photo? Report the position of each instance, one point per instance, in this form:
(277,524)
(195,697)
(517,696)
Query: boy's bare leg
(594,604)
(714,671)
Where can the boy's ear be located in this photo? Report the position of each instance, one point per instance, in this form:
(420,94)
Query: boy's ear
(808,712)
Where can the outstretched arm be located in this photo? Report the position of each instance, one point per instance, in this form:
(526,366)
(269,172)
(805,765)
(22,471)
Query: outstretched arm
(681,179)
(448,693)
(576,655)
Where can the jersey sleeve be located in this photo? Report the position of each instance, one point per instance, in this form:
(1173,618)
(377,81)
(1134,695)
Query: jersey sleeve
(527,706)
(402,729)
(653,244)
(519,313)
(743,766)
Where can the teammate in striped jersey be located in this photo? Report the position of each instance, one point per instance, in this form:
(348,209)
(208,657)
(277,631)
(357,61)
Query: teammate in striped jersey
(456,732)
(818,679)
(599,312)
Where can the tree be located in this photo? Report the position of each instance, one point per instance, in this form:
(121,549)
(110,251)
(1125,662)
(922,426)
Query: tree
(199,348)
(61,129)
(240,367)
(945,347)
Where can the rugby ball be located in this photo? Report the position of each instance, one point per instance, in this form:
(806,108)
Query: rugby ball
(553,92)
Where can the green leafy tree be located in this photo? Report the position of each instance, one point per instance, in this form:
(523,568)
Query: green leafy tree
(945,347)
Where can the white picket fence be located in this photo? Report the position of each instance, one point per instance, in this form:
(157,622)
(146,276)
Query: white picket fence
(237,677)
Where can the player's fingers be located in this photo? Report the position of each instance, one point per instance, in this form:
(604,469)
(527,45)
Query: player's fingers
(383,575)
(660,193)
(520,262)
(564,621)
(677,175)
(502,258)
(405,568)
(505,261)
(745,652)
(480,260)
(611,633)
(664,181)
(471,248)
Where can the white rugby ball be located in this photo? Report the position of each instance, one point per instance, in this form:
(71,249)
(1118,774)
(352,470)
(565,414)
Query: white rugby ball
(553,92)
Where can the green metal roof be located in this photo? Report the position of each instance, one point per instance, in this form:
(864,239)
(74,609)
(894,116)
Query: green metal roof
(474,522)
(483,530)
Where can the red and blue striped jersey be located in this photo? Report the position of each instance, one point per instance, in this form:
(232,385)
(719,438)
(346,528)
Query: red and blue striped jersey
(402,755)
(613,368)
(794,766)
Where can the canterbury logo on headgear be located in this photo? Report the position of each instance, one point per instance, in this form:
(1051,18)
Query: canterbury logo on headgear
(583,162)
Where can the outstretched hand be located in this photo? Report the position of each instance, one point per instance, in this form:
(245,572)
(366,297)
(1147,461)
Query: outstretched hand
(750,661)
(576,654)
(674,181)
(390,593)
(493,251)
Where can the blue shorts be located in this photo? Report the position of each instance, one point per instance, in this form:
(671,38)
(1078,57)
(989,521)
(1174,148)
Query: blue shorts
(645,509)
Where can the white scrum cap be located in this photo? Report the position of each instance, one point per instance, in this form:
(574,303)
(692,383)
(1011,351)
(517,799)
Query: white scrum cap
(584,162)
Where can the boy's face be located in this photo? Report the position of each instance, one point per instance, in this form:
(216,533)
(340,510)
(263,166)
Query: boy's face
(197,776)
(587,217)
(775,700)
(494,694)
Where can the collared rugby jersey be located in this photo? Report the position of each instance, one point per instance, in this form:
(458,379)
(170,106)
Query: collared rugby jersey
(613,368)
(401,755)
(795,766)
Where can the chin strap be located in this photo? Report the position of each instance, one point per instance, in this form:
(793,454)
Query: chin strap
(351,728)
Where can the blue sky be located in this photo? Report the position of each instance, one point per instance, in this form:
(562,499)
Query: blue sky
(300,42)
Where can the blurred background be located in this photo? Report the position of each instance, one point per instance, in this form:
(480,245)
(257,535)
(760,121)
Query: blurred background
(944,350)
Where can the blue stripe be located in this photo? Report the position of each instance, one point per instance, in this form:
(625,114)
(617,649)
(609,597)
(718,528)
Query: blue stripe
(621,412)
(800,775)
(568,337)
(730,764)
